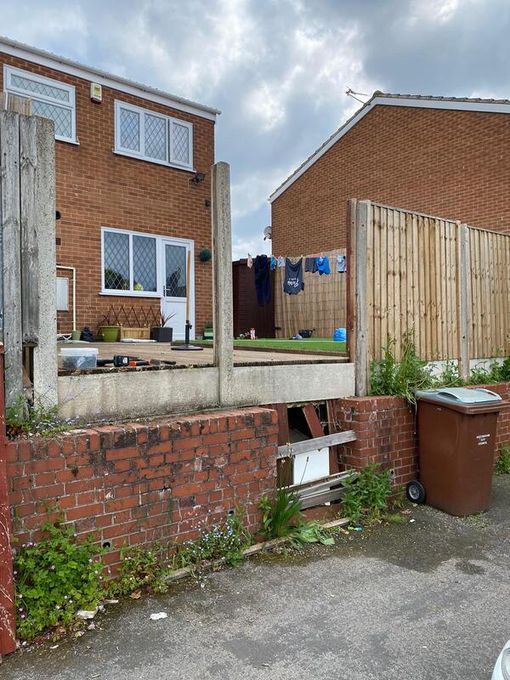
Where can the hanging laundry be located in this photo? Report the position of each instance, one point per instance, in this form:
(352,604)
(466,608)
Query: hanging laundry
(272,263)
(322,264)
(341,264)
(262,279)
(249,261)
(293,279)
(280,261)
(310,264)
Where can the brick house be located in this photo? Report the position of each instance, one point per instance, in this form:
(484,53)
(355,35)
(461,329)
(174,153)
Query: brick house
(443,156)
(133,188)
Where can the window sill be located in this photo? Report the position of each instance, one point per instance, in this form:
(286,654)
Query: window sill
(130,293)
(74,142)
(153,161)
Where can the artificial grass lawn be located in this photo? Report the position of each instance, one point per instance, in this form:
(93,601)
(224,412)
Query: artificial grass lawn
(306,345)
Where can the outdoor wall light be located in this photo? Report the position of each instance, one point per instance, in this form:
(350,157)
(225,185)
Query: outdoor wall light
(198,177)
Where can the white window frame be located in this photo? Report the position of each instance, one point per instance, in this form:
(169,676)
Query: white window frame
(131,292)
(171,162)
(70,105)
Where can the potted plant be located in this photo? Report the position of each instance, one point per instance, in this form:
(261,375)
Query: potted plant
(163,333)
(109,331)
(208,331)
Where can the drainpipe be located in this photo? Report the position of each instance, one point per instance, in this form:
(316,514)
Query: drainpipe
(7,590)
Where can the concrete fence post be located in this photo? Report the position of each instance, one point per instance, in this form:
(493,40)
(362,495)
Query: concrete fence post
(222,281)
(464,300)
(360,239)
(27,222)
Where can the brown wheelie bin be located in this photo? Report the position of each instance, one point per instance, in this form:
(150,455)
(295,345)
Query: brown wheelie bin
(456,445)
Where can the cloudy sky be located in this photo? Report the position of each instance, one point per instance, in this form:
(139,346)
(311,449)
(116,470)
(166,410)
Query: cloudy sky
(278,69)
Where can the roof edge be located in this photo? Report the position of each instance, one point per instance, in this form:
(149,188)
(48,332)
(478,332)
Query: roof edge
(74,68)
(383,99)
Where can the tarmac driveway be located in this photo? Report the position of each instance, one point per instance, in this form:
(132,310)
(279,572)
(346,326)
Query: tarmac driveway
(425,600)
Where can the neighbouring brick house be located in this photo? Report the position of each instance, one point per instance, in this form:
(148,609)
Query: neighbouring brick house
(443,156)
(133,188)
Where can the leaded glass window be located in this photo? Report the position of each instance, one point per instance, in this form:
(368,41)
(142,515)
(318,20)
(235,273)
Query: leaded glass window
(144,263)
(116,261)
(153,137)
(50,99)
(130,262)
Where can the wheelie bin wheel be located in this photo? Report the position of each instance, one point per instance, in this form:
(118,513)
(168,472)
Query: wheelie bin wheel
(415,492)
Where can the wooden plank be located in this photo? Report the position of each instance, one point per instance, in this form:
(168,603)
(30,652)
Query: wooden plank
(10,227)
(361,357)
(403,272)
(421,338)
(384,283)
(308,445)
(29,236)
(284,466)
(322,497)
(378,285)
(415,324)
(312,420)
(334,465)
(370,287)
(322,481)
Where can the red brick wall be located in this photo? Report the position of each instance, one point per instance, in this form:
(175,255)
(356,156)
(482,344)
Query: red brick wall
(386,432)
(454,164)
(139,483)
(97,188)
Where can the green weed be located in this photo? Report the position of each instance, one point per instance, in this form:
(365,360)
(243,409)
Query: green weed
(366,494)
(403,378)
(54,579)
(223,541)
(502,466)
(26,418)
(140,568)
(280,514)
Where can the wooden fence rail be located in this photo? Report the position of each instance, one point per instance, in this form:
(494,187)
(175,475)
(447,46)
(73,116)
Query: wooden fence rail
(446,282)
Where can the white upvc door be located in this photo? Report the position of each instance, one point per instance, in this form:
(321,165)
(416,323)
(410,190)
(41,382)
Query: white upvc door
(174,259)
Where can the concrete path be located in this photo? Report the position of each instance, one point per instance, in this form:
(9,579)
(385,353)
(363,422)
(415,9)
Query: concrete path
(426,600)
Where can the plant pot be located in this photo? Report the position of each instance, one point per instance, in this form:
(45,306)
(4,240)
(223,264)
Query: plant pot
(76,335)
(110,333)
(162,333)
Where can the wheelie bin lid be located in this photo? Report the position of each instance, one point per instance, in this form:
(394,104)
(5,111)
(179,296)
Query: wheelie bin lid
(462,398)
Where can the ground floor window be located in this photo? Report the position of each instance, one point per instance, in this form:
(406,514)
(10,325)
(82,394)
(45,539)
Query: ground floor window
(130,262)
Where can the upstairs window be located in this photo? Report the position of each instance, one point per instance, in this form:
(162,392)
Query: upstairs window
(152,136)
(50,99)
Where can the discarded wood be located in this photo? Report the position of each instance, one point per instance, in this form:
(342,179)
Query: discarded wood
(309,445)
(322,497)
(330,479)
(179,574)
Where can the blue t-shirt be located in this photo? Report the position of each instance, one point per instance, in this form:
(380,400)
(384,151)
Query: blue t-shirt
(322,264)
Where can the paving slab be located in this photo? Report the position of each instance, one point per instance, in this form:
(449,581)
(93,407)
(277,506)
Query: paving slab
(425,600)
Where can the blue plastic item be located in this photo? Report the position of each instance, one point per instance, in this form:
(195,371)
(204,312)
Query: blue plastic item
(340,335)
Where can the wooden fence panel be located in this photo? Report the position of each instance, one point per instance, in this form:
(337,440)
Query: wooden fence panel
(321,306)
(446,282)
(412,280)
